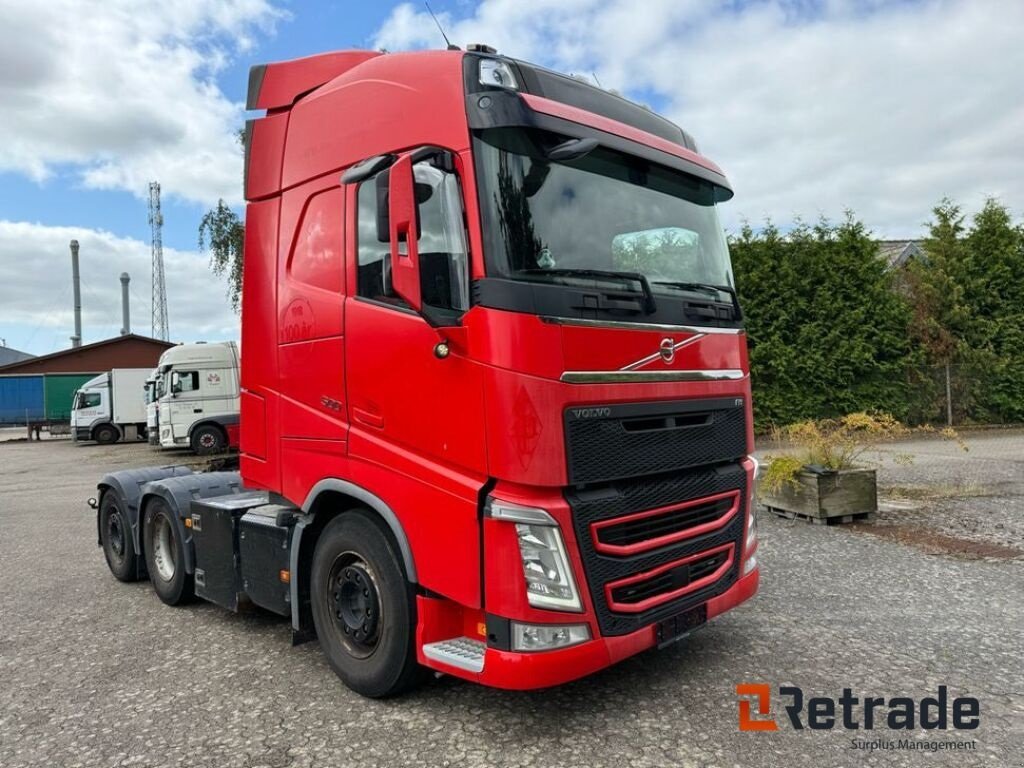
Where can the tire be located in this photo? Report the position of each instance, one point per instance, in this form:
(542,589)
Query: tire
(105,434)
(358,577)
(116,538)
(165,555)
(209,439)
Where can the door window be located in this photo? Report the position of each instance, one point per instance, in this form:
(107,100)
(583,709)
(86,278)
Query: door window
(88,399)
(185,381)
(444,257)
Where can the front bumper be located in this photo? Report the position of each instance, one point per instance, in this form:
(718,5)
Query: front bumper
(82,433)
(543,669)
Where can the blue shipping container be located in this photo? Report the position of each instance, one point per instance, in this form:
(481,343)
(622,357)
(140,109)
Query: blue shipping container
(21,398)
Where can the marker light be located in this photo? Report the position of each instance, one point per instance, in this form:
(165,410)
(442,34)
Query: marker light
(549,580)
(547,637)
(497,72)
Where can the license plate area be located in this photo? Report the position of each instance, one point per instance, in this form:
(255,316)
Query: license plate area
(679,626)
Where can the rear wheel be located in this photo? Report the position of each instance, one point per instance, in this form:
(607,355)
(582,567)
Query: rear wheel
(115,536)
(209,439)
(105,434)
(363,607)
(165,555)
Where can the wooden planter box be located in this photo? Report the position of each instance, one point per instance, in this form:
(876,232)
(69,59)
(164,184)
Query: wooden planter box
(836,497)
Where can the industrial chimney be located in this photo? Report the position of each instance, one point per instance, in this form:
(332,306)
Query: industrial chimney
(76,284)
(126,323)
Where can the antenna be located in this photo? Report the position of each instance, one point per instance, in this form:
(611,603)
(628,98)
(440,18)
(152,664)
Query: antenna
(440,29)
(156,223)
(596,80)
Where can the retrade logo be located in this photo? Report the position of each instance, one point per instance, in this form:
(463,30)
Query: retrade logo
(849,712)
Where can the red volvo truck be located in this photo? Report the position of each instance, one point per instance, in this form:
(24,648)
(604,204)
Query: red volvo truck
(495,409)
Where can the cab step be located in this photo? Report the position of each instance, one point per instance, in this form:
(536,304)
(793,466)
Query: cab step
(462,652)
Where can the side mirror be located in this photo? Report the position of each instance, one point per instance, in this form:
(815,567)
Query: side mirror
(403,232)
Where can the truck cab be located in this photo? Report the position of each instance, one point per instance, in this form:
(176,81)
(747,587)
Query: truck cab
(495,401)
(111,407)
(198,407)
(91,409)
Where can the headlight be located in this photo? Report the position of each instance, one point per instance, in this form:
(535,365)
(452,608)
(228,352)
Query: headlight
(549,580)
(497,72)
(547,637)
(750,565)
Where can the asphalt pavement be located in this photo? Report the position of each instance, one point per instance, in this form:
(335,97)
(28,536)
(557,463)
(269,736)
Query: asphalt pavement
(98,673)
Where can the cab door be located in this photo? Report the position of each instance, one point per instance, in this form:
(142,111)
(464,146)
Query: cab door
(417,418)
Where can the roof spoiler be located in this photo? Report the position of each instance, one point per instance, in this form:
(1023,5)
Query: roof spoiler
(277,85)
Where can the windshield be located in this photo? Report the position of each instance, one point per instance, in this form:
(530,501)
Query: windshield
(604,211)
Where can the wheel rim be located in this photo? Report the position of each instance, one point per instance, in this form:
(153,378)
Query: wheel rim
(165,548)
(115,535)
(354,604)
(206,440)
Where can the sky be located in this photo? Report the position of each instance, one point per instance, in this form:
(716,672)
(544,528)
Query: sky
(811,107)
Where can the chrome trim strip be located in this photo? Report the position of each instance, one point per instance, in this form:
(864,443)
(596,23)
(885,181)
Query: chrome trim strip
(620,326)
(615,377)
(658,356)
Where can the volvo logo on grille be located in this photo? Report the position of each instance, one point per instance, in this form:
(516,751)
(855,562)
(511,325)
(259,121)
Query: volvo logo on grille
(591,413)
(667,350)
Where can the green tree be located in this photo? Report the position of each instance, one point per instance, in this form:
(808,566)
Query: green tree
(827,332)
(223,232)
(993,284)
(939,315)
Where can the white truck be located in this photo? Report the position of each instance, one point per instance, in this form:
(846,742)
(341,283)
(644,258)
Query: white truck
(199,406)
(153,393)
(111,407)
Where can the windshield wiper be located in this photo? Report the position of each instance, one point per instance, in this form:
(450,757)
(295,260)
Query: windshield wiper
(649,305)
(707,287)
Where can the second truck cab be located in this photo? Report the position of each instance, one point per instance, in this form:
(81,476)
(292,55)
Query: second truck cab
(198,407)
(111,407)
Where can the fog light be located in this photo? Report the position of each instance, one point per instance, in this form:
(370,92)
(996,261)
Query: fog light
(549,579)
(547,637)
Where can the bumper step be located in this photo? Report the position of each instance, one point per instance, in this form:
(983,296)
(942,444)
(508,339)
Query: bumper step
(462,652)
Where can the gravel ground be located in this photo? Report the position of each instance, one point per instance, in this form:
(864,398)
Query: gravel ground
(98,673)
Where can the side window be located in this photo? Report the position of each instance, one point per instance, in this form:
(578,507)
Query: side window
(444,257)
(316,259)
(186,381)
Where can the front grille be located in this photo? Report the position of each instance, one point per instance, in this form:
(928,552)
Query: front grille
(609,501)
(676,578)
(609,442)
(658,527)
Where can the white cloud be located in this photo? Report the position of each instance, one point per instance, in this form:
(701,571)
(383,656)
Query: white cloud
(124,91)
(35,288)
(810,108)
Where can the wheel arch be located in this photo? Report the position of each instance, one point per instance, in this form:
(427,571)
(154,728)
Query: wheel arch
(334,489)
(328,499)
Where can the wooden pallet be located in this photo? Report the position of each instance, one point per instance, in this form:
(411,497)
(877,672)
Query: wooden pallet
(861,517)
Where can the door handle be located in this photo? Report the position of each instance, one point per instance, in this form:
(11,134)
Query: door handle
(367,418)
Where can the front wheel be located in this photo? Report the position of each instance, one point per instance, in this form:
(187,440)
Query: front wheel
(115,536)
(165,555)
(363,607)
(105,434)
(209,439)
